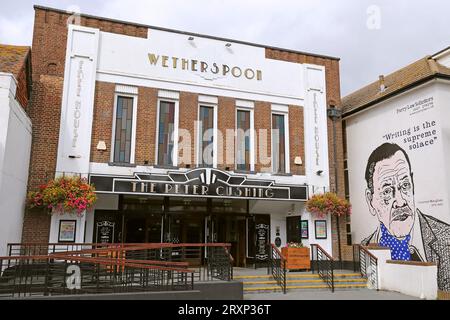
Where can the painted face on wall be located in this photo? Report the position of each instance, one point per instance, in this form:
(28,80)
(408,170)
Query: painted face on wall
(393,198)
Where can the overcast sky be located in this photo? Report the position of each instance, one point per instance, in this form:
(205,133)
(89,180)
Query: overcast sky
(371,37)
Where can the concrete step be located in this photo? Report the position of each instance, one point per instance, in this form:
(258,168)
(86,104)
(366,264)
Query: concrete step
(304,287)
(299,276)
(337,281)
(259,283)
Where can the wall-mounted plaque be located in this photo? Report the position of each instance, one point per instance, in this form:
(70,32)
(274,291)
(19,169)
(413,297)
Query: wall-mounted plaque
(321,229)
(67,230)
(304,229)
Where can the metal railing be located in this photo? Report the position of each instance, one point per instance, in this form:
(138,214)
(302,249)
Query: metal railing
(220,263)
(367,264)
(112,269)
(323,263)
(277,266)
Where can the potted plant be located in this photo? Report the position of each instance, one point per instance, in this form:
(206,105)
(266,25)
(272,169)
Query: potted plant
(297,256)
(64,195)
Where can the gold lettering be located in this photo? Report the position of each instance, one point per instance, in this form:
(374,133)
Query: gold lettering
(143,187)
(216,68)
(247,74)
(226,69)
(194,65)
(203,67)
(168,188)
(134,186)
(259,75)
(205,190)
(153,187)
(164,61)
(184,64)
(236,74)
(153,58)
(174,62)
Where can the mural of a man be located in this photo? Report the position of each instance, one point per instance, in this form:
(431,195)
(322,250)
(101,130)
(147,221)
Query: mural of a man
(410,234)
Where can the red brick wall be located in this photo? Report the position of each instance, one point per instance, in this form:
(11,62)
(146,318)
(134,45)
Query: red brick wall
(226,120)
(146,126)
(22,86)
(188,115)
(263,121)
(103,119)
(296,139)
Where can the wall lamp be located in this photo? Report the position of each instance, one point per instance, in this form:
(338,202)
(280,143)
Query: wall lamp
(319,173)
(191,38)
(228,45)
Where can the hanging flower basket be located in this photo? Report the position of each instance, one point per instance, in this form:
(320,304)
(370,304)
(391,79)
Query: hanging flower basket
(64,195)
(329,203)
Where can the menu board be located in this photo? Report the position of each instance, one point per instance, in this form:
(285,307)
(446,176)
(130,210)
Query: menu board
(105,232)
(262,239)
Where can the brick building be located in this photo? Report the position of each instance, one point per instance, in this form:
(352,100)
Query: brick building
(251,120)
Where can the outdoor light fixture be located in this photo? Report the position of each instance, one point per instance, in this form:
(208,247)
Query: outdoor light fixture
(319,173)
(298,161)
(228,45)
(101,146)
(191,38)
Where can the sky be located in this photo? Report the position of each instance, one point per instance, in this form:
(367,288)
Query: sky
(372,37)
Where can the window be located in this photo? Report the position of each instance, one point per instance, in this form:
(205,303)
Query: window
(206,138)
(279,154)
(243,138)
(123,136)
(166,133)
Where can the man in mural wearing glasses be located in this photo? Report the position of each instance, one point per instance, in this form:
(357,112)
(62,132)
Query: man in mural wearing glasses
(410,234)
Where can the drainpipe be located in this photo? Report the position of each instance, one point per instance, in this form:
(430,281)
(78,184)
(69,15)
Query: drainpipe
(335,114)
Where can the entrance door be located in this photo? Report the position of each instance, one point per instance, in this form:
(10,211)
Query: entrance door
(135,230)
(293,229)
(232,229)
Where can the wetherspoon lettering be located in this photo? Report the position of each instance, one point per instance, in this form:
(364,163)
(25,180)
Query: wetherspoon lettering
(204,67)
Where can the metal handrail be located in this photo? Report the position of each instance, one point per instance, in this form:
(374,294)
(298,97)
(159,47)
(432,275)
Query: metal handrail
(367,264)
(277,266)
(112,267)
(324,263)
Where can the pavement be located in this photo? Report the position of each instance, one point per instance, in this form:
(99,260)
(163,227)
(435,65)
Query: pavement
(361,294)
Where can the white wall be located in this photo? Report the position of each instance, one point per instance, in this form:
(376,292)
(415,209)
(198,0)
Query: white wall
(15,148)
(414,280)
(443,99)
(280,211)
(366,131)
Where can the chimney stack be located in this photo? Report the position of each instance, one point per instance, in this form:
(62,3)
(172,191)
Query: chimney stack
(382,84)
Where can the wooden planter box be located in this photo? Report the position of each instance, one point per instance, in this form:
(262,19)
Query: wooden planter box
(297,258)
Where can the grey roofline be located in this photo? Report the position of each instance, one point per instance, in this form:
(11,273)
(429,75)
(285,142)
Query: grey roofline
(442,51)
(417,83)
(188,33)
